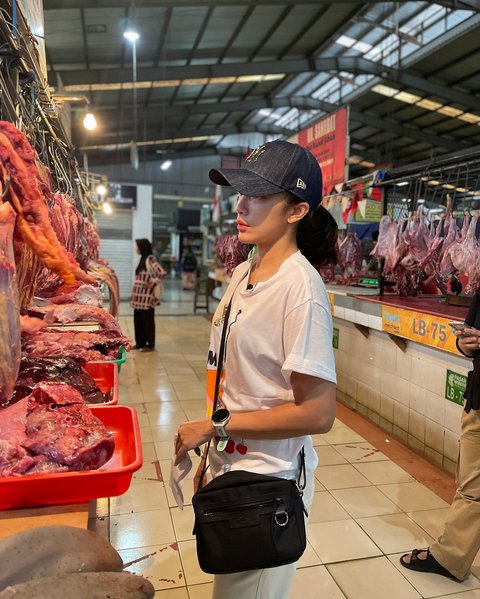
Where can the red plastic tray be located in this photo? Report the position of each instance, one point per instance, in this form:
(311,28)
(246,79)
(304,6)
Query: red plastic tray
(105,374)
(76,487)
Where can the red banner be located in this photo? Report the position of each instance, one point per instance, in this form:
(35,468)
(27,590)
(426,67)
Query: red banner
(327,140)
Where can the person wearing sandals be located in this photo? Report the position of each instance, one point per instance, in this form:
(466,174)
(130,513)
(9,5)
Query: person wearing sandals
(452,554)
(279,378)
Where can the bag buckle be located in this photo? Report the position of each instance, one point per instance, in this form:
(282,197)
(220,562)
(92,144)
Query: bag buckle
(281,515)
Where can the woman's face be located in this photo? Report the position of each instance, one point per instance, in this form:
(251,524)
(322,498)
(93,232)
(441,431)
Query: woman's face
(262,220)
(137,249)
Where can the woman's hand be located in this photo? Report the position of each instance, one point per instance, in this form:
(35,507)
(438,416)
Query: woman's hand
(468,340)
(192,434)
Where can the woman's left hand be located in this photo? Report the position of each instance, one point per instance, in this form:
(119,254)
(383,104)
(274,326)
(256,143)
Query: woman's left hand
(192,434)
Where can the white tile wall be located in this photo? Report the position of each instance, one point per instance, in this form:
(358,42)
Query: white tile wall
(402,391)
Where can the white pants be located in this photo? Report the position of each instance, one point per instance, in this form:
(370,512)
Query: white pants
(271,583)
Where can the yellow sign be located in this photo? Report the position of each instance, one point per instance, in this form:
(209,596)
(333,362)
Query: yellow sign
(331,297)
(423,328)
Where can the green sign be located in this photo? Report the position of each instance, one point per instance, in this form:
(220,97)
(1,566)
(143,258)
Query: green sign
(455,386)
(368,281)
(335,338)
(373,212)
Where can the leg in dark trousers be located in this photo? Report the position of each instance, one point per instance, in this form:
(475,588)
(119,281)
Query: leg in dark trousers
(149,327)
(140,340)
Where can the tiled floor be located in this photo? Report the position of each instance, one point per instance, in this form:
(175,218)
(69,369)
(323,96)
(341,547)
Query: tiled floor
(374,500)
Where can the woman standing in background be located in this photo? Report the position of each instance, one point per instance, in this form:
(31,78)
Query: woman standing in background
(148,276)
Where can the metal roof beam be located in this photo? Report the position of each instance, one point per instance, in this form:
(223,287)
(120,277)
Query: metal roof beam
(57,4)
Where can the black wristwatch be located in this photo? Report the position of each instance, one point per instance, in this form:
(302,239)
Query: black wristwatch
(220,419)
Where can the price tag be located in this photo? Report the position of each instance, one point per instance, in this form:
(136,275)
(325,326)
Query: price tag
(423,328)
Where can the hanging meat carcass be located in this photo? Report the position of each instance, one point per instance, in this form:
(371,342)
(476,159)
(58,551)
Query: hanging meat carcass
(350,257)
(20,182)
(9,307)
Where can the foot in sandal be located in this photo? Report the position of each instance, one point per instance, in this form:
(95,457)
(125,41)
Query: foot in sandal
(421,560)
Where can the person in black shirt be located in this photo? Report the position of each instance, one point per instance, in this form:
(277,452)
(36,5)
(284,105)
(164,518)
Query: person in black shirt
(189,270)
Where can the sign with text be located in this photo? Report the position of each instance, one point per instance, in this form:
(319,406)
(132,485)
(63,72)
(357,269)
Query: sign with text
(455,385)
(423,328)
(327,141)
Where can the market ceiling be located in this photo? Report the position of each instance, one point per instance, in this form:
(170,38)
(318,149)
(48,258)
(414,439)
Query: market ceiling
(208,71)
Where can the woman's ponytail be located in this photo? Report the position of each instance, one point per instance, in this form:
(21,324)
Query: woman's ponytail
(317,235)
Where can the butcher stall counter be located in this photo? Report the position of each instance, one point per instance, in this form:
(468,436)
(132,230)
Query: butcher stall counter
(397,364)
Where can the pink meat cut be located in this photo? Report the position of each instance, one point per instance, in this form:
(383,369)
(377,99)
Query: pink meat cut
(52,430)
(83,346)
(77,312)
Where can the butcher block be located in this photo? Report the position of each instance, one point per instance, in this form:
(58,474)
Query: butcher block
(61,488)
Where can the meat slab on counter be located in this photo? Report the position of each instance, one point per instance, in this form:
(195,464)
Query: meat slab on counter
(84,346)
(61,370)
(52,430)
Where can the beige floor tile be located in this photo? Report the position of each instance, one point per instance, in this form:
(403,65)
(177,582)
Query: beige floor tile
(309,558)
(326,509)
(362,502)
(165,449)
(149,473)
(384,473)
(164,432)
(128,531)
(146,434)
(183,521)
(319,440)
(159,394)
(465,595)
(161,418)
(395,532)
(315,583)
(139,498)
(412,497)
(328,456)
(149,453)
(165,407)
(432,521)
(188,555)
(360,452)
(318,486)
(340,541)
(200,591)
(371,579)
(159,564)
(143,421)
(166,466)
(343,476)
(343,435)
(433,585)
(187,493)
(172,594)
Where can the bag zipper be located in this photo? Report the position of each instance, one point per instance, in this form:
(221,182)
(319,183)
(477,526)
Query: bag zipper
(240,506)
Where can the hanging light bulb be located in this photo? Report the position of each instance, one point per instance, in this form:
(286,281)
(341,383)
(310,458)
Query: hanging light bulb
(166,164)
(107,208)
(131,36)
(90,122)
(101,190)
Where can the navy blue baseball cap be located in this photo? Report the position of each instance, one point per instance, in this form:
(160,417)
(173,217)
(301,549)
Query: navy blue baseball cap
(275,167)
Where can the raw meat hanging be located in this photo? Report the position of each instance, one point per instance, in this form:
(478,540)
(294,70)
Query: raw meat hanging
(230,252)
(20,182)
(9,307)
(350,257)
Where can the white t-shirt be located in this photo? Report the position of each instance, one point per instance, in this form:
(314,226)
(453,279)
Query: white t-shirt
(280,326)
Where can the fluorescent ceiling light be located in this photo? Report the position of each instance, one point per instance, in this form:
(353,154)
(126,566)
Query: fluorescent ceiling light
(429,104)
(385,90)
(131,36)
(172,83)
(101,190)
(469,117)
(448,186)
(166,165)
(407,98)
(107,208)
(367,163)
(420,201)
(433,182)
(450,111)
(436,210)
(402,183)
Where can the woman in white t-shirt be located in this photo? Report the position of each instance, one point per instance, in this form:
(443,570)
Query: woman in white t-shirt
(279,371)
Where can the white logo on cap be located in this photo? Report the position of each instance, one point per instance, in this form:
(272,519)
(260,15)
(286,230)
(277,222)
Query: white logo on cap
(301,184)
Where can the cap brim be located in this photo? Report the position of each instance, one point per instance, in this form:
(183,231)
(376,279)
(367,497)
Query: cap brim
(244,181)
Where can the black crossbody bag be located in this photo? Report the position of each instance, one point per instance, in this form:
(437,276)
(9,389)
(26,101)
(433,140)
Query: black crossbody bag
(248,521)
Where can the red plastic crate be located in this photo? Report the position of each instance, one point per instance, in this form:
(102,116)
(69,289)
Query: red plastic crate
(105,374)
(61,488)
